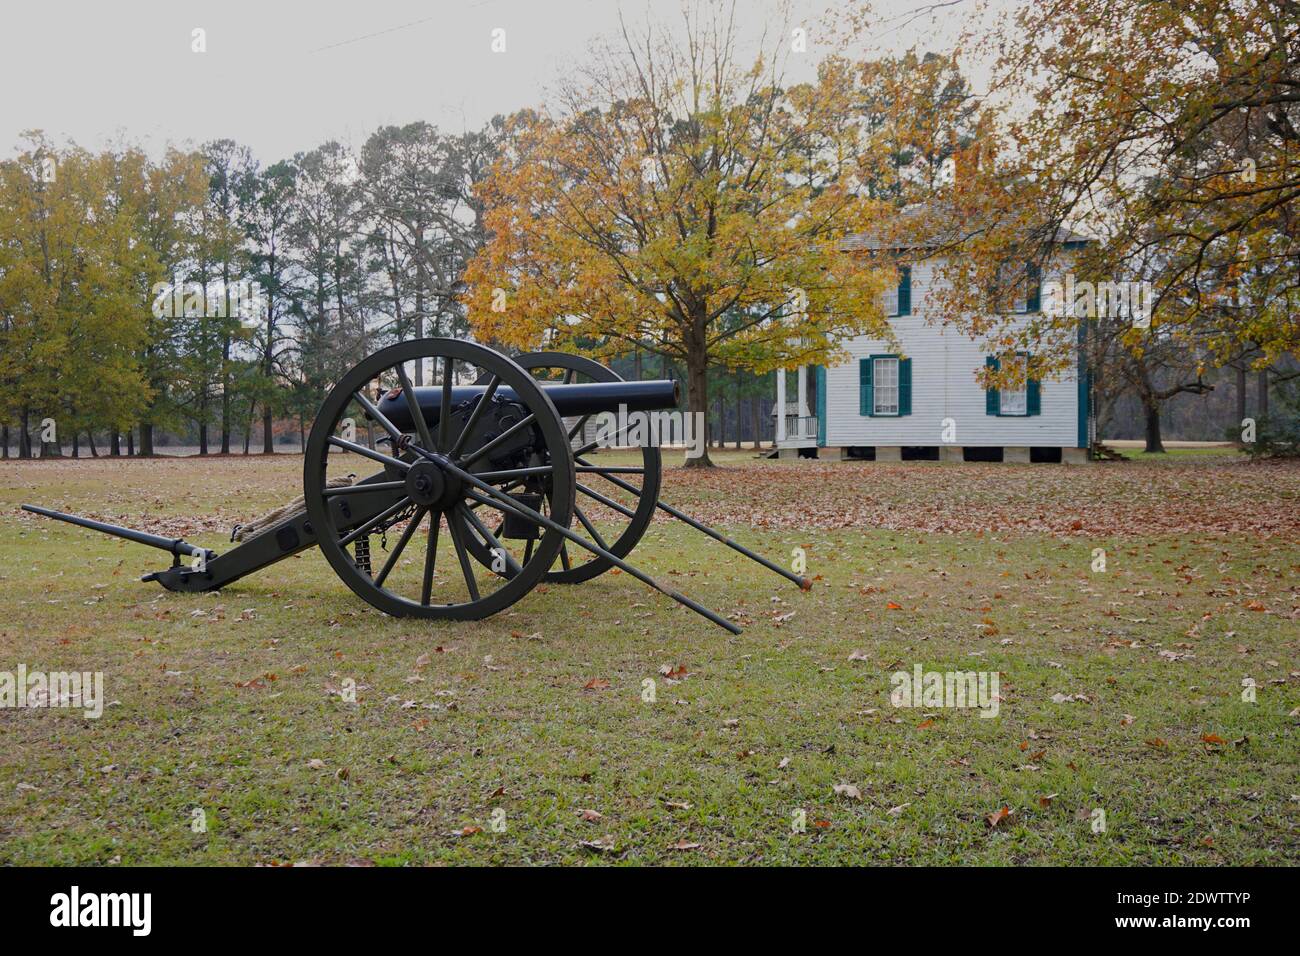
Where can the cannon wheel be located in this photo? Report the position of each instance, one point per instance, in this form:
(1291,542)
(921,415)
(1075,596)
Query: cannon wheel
(574,564)
(423,468)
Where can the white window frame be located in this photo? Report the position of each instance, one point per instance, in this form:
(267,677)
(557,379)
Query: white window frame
(878,407)
(1018,406)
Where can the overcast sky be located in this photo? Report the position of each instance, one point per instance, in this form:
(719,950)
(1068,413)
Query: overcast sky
(286,76)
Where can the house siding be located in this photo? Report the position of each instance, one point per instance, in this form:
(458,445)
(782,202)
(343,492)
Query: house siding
(944,365)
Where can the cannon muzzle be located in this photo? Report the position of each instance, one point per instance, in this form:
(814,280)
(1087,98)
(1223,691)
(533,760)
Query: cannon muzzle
(582,398)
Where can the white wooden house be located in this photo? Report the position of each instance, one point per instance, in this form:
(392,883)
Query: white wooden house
(921,400)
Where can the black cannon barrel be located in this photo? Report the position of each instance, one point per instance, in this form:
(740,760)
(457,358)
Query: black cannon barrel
(579,398)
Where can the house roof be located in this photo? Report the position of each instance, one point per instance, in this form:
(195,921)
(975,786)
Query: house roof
(940,224)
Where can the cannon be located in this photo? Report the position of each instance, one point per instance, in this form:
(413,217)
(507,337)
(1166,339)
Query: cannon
(494,455)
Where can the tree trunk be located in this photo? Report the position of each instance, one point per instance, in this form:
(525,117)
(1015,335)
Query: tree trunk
(130,443)
(4,443)
(636,364)
(739,404)
(76,444)
(721,422)
(225,359)
(1241,400)
(754,422)
(697,395)
(1262,385)
(90,440)
(146,440)
(203,439)
(268,439)
(115,444)
(24,436)
(1154,445)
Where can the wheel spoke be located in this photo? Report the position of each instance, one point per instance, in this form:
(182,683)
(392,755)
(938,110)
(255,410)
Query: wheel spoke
(591,529)
(361,529)
(456,531)
(515,473)
(617,482)
(364,488)
(373,411)
(413,406)
(489,538)
(474,416)
(577,429)
(607,502)
(411,526)
(444,409)
(368,453)
(609,470)
(430,556)
(564,556)
(525,422)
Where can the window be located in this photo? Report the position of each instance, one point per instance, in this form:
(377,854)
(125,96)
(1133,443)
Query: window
(885,376)
(898,300)
(1020,287)
(1015,402)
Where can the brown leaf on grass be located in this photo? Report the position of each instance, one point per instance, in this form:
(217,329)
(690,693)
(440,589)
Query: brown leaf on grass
(993,819)
(1157,742)
(1213,739)
(603,844)
(316,764)
(674,672)
(596,683)
(684,844)
(590,816)
(1126,719)
(891,606)
(847,790)
(1046,800)
(925,724)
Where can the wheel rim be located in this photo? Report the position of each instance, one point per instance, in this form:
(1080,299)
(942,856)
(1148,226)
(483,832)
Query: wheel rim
(420,466)
(616,532)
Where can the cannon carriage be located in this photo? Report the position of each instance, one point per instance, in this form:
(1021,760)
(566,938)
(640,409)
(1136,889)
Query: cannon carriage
(485,476)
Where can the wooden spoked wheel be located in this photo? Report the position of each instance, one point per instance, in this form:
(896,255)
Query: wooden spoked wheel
(617,489)
(445,479)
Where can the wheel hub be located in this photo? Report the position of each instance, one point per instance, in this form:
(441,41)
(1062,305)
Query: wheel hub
(429,484)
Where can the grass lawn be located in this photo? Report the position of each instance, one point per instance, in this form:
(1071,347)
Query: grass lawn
(229,703)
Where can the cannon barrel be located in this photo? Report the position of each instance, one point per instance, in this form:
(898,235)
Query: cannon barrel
(580,398)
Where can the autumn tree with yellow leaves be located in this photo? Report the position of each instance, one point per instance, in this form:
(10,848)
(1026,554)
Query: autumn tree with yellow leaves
(684,204)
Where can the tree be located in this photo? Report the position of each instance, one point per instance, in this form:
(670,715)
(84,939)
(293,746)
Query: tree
(231,170)
(673,190)
(1171,129)
(266,213)
(72,326)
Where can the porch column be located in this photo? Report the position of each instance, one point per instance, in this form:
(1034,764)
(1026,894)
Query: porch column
(780,405)
(803,393)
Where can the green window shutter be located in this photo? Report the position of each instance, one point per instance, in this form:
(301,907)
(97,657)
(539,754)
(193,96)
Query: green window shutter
(820,411)
(905,291)
(1033,395)
(904,386)
(1035,293)
(992,400)
(866,396)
